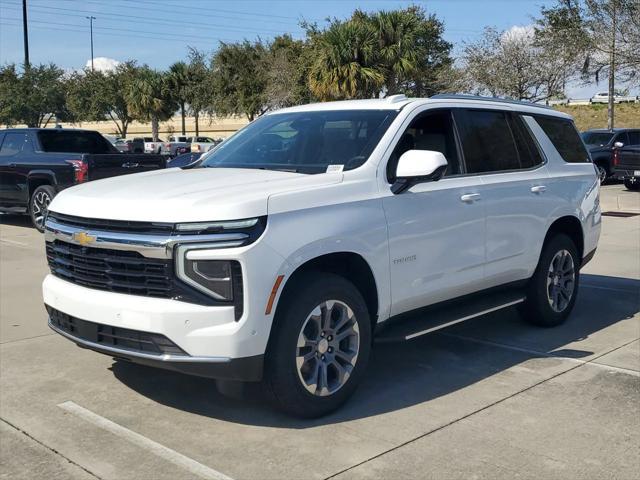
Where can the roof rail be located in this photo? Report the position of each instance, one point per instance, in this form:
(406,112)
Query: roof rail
(448,96)
(396,98)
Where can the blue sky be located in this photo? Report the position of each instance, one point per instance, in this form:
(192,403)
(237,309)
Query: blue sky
(158,32)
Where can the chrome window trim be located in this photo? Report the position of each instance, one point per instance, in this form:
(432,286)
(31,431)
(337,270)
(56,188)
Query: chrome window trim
(150,246)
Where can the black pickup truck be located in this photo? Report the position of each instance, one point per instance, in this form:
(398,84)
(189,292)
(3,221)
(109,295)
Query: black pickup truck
(606,146)
(36,163)
(626,160)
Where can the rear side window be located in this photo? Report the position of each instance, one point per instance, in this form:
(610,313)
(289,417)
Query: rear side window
(74,142)
(12,144)
(565,138)
(528,150)
(634,137)
(487,141)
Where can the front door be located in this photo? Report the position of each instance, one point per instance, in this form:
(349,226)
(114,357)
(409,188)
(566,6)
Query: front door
(436,229)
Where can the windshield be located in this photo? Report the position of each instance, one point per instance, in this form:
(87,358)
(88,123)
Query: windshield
(597,138)
(304,142)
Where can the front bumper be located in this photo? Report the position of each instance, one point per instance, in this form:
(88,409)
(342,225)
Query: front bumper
(215,344)
(242,369)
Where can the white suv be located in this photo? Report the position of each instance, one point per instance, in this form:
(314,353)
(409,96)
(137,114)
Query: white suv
(281,255)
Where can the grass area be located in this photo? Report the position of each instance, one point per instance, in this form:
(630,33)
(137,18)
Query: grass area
(595,116)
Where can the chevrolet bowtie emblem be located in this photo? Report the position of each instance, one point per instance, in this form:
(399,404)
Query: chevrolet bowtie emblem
(83,238)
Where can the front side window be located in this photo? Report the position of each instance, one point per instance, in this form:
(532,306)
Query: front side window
(12,144)
(487,141)
(565,138)
(428,131)
(304,142)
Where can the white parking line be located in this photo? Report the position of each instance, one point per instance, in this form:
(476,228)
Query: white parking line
(140,440)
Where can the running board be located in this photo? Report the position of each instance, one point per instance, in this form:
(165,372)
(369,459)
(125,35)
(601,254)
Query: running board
(437,317)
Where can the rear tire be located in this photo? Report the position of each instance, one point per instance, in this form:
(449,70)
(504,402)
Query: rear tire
(552,290)
(319,346)
(39,205)
(629,185)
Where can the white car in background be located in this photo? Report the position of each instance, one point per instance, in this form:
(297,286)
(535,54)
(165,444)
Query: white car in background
(282,253)
(603,97)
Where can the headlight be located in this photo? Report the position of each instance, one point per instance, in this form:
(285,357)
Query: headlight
(201,227)
(211,276)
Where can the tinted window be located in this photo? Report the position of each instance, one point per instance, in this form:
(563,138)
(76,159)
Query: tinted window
(597,138)
(565,138)
(622,138)
(12,144)
(429,131)
(528,150)
(487,141)
(74,142)
(306,142)
(634,137)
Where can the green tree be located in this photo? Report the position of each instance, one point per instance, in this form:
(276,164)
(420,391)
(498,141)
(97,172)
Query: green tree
(149,98)
(346,64)
(199,89)
(288,65)
(239,79)
(178,77)
(34,96)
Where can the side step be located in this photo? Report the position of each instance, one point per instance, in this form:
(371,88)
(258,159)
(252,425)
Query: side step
(443,315)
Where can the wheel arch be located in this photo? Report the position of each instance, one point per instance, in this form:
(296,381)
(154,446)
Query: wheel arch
(348,264)
(38,178)
(570,226)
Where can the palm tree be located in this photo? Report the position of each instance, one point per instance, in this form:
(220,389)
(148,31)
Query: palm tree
(346,65)
(398,49)
(179,82)
(150,98)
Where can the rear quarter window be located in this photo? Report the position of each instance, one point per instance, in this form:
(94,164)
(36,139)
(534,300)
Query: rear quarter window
(565,138)
(74,142)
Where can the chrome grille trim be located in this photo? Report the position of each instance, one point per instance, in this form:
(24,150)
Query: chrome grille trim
(150,246)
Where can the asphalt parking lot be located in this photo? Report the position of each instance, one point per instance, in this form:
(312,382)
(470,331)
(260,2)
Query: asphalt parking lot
(489,398)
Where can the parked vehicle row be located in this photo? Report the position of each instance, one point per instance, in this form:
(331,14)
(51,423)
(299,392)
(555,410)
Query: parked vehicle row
(616,154)
(279,255)
(36,164)
(181,144)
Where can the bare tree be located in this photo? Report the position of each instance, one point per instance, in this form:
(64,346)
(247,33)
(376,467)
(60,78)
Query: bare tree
(513,65)
(602,35)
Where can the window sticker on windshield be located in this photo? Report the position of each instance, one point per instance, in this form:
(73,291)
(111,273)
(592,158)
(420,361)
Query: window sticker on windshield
(334,168)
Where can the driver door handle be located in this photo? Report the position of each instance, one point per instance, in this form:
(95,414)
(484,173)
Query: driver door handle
(538,189)
(470,197)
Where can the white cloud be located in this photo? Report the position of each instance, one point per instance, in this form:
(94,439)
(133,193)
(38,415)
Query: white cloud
(103,64)
(519,32)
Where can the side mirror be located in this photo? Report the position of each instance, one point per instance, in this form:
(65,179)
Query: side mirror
(618,145)
(418,166)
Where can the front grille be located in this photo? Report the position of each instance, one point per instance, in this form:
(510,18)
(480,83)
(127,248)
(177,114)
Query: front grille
(112,225)
(116,337)
(112,270)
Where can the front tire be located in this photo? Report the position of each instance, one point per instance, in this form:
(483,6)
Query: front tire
(552,291)
(320,345)
(39,205)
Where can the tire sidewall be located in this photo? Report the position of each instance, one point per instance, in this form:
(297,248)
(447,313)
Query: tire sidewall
(50,191)
(540,311)
(281,370)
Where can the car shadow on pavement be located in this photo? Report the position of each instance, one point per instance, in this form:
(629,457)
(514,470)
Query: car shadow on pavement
(15,220)
(402,375)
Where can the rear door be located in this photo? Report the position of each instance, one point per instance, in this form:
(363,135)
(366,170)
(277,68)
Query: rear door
(629,154)
(499,149)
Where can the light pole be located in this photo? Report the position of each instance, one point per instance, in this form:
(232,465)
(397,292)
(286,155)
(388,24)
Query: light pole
(25,33)
(91,19)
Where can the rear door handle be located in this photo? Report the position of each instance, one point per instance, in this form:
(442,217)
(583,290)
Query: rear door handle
(538,189)
(470,197)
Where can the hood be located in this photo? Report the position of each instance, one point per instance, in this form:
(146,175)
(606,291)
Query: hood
(192,195)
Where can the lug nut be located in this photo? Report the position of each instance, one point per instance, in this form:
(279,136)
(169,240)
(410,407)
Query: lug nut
(322,334)
(329,338)
(322,357)
(330,349)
